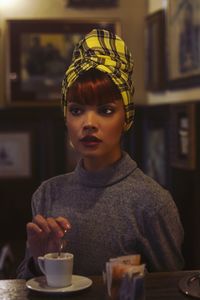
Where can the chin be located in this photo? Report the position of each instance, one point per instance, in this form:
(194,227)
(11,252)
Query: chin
(91,154)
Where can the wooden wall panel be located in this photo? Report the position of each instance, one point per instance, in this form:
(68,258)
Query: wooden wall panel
(46,129)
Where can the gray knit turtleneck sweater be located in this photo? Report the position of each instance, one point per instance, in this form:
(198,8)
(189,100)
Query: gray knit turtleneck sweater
(113,212)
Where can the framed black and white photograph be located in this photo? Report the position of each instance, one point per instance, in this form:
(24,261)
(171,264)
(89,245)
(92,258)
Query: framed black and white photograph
(183,136)
(40,52)
(91,3)
(156,155)
(155,51)
(155,161)
(15,155)
(183,43)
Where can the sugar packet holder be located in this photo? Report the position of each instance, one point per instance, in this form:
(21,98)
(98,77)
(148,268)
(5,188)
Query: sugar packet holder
(128,259)
(124,277)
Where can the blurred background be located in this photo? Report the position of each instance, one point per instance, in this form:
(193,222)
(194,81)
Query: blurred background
(36,41)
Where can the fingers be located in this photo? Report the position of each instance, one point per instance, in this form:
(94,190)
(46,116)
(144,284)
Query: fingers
(54,227)
(57,226)
(33,228)
(64,223)
(38,228)
(42,223)
(43,234)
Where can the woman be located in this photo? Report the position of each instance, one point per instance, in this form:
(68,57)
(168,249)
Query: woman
(108,206)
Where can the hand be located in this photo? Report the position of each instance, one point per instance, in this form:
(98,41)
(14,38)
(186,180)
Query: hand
(43,235)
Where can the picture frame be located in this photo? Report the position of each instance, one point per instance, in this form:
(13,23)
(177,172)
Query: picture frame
(155,144)
(155,51)
(155,165)
(183,43)
(15,155)
(40,52)
(183,136)
(92,3)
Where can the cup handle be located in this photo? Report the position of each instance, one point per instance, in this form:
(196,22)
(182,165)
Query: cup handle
(41,264)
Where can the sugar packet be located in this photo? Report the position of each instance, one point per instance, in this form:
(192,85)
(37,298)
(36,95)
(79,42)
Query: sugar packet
(124,277)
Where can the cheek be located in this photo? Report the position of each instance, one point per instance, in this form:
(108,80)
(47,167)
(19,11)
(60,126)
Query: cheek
(71,130)
(115,130)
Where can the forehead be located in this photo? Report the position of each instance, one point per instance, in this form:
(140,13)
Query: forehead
(117,105)
(97,103)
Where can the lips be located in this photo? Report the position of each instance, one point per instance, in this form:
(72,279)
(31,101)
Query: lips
(90,140)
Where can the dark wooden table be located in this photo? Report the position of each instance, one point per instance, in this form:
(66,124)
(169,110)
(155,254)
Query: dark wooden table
(159,286)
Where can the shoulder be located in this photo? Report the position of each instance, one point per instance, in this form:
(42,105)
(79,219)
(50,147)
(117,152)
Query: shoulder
(148,193)
(53,186)
(55,181)
(50,191)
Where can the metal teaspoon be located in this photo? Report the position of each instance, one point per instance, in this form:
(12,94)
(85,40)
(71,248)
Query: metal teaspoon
(61,244)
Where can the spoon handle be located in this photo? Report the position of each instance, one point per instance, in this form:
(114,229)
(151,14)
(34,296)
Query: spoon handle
(61,243)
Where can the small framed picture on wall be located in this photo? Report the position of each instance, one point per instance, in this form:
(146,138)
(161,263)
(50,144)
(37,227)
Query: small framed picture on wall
(183,136)
(91,3)
(183,43)
(15,155)
(155,51)
(40,52)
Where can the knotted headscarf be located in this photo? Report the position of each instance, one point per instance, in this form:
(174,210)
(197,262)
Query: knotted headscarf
(107,52)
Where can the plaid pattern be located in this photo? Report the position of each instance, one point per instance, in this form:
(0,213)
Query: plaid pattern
(108,53)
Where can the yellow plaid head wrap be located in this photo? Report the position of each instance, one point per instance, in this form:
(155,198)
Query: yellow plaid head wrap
(107,52)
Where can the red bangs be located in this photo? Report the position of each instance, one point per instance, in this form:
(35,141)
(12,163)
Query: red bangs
(93,88)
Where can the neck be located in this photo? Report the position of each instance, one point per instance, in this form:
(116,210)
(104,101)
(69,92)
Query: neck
(100,163)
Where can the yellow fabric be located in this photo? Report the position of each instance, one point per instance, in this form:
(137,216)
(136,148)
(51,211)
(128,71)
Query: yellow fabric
(108,53)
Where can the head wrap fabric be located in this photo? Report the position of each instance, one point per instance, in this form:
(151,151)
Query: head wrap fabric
(107,52)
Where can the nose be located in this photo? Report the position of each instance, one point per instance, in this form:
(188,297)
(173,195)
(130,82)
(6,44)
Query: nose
(90,122)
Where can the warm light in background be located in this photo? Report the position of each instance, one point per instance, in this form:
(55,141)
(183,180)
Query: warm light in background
(7,3)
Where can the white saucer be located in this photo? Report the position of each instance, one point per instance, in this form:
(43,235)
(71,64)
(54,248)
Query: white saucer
(39,284)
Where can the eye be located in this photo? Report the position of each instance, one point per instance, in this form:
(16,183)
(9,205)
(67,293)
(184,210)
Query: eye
(106,110)
(75,110)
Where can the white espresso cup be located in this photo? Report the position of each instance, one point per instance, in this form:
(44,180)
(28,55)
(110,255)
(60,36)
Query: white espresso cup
(57,269)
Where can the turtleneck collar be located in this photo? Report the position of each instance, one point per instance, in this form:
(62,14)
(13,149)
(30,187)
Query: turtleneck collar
(109,176)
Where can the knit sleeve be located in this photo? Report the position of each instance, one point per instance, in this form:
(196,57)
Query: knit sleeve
(162,238)
(40,200)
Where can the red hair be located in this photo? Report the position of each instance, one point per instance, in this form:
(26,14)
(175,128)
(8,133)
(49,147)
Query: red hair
(93,87)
